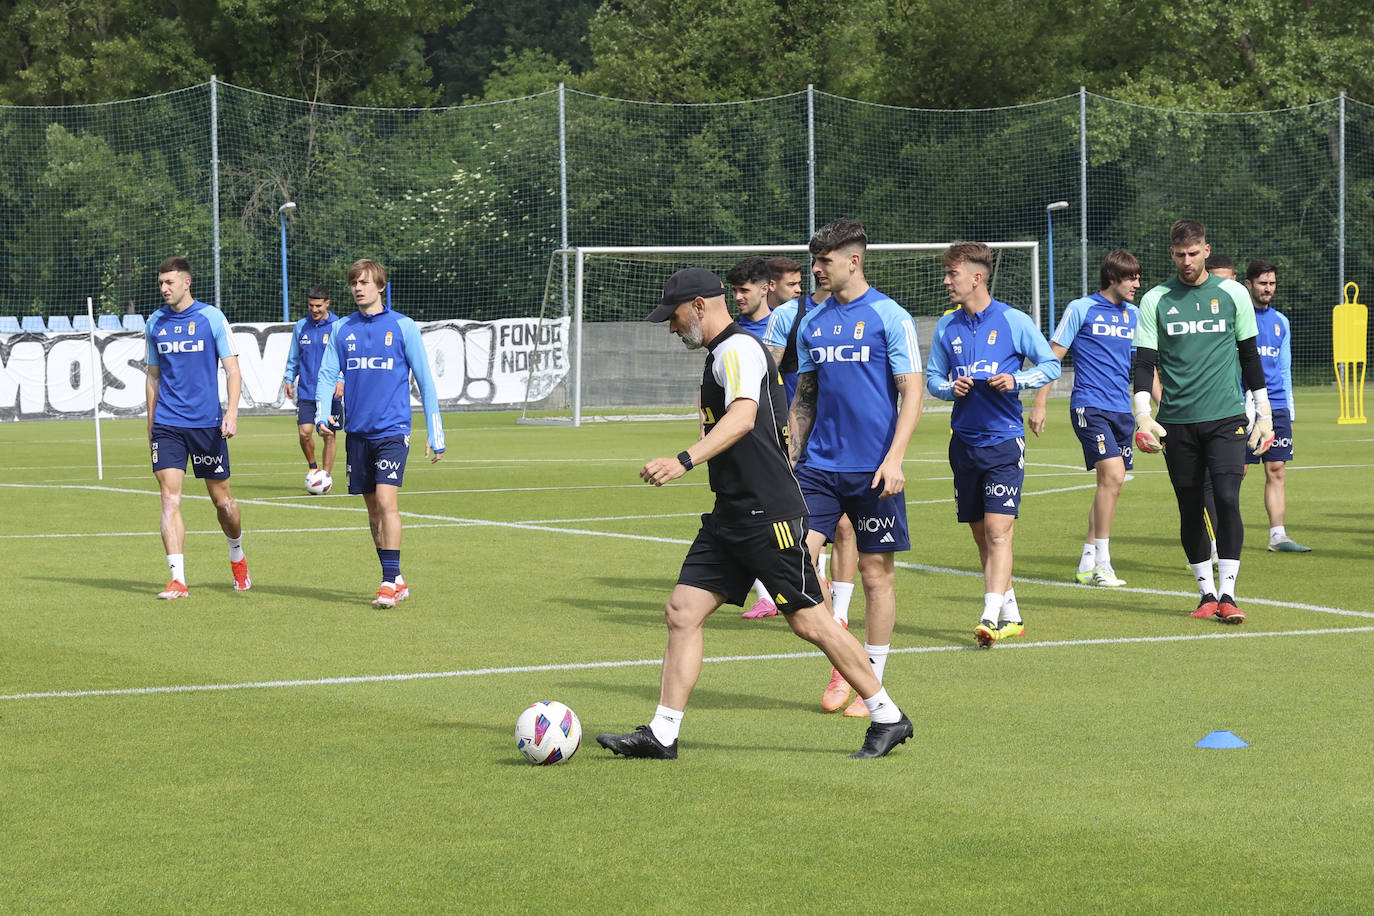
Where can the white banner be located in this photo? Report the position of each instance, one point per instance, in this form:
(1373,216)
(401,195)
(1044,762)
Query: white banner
(474,363)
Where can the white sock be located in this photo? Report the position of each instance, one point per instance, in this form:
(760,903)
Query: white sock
(762,592)
(881,708)
(824,562)
(235,548)
(1010,609)
(1085,562)
(992,606)
(666,724)
(877,657)
(176,562)
(1227,570)
(1102,554)
(841,593)
(1277,533)
(1202,573)
(1214,548)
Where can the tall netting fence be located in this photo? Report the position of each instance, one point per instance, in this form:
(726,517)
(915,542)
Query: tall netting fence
(466,206)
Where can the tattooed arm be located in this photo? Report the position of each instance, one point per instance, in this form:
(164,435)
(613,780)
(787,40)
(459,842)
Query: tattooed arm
(802,416)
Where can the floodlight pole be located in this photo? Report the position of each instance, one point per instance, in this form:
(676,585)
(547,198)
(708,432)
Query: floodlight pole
(285,293)
(1049,255)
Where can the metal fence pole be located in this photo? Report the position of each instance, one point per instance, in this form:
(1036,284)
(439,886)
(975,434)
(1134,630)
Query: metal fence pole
(810,160)
(1340,203)
(214,182)
(1082,188)
(563,184)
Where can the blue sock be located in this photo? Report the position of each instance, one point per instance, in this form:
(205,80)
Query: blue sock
(391,564)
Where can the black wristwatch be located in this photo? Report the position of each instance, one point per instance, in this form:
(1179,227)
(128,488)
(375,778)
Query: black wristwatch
(685,459)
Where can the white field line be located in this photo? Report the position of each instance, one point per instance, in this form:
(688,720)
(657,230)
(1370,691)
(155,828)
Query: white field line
(641,662)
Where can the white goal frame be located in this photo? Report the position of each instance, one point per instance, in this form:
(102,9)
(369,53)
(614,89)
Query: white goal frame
(579,254)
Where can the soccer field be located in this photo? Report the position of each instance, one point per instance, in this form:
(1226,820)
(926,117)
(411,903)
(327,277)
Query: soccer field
(293,749)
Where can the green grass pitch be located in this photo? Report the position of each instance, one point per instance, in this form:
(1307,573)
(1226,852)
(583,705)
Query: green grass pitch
(329,757)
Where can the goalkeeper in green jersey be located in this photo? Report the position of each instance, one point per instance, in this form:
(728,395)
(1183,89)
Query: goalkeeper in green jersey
(1199,331)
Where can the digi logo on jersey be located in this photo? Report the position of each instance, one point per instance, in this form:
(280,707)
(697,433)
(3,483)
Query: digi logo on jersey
(978,368)
(1271,352)
(369,362)
(1198,326)
(844,353)
(1102,329)
(180,346)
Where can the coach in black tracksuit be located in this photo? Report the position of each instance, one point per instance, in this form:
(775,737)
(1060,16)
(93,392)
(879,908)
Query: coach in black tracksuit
(755,531)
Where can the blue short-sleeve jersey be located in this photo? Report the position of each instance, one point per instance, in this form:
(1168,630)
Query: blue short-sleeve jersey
(186,348)
(755,326)
(1276,355)
(308,340)
(780,323)
(376,355)
(996,340)
(855,349)
(1102,338)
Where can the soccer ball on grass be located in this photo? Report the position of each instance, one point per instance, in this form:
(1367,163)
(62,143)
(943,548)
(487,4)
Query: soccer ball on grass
(548,732)
(318,482)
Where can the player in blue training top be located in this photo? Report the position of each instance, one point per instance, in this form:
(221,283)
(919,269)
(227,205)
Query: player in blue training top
(1100,329)
(857,360)
(376,350)
(752,281)
(781,338)
(978,361)
(308,340)
(1261,278)
(188,342)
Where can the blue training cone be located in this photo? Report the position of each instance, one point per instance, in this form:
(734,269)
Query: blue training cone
(1221,739)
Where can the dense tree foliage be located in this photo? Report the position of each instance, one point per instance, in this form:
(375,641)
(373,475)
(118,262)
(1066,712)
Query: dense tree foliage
(1207,54)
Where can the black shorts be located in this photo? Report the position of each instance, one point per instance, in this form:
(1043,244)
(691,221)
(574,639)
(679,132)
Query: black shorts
(1216,447)
(726,561)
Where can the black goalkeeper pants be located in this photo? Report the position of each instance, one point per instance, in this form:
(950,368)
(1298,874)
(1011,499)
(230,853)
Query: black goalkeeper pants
(1192,452)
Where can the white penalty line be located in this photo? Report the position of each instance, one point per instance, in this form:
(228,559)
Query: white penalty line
(638,663)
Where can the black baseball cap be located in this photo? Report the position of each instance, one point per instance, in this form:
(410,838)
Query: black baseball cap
(686,284)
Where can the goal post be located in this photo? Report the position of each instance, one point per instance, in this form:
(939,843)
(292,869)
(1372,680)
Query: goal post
(622,367)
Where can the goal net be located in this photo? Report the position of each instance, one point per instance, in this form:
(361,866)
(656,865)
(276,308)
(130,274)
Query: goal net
(621,367)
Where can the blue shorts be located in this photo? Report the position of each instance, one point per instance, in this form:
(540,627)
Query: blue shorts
(1282,449)
(987,478)
(1103,434)
(206,448)
(374,461)
(879,524)
(305,414)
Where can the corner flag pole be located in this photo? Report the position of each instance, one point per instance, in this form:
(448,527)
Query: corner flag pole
(95,388)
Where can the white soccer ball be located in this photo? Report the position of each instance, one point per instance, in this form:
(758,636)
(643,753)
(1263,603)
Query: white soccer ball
(318,482)
(548,732)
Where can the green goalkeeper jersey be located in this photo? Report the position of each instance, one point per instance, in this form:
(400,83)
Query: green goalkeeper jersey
(1195,330)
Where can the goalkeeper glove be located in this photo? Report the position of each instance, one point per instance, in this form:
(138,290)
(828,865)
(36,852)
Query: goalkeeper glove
(1261,431)
(1149,435)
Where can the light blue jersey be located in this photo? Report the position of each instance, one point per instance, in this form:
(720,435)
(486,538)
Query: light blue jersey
(1102,338)
(1276,356)
(186,348)
(996,340)
(376,355)
(855,349)
(308,340)
(780,323)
